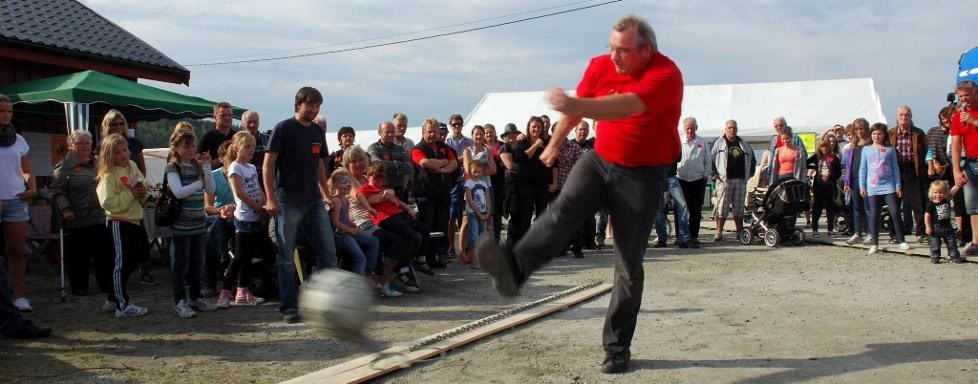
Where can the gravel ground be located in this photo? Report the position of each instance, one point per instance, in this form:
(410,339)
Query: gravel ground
(725,313)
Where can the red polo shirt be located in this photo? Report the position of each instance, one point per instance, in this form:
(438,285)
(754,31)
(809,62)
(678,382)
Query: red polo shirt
(645,139)
(968,133)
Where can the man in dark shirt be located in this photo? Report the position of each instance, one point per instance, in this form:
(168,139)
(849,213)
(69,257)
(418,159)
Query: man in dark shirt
(294,158)
(733,164)
(223,116)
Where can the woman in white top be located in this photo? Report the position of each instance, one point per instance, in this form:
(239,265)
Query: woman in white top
(17,187)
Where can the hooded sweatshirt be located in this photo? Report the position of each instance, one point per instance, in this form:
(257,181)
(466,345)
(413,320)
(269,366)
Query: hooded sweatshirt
(115,194)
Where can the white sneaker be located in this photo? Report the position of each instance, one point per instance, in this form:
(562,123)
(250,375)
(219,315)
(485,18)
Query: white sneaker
(387,291)
(868,240)
(23,305)
(904,246)
(132,310)
(852,240)
(201,305)
(109,306)
(183,309)
(872,250)
(970,250)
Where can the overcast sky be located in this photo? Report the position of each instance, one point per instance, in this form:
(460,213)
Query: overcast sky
(910,48)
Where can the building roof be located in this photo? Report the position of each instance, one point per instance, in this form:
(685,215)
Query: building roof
(67,27)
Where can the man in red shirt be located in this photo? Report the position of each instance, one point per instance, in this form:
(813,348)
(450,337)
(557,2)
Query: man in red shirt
(964,135)
(636,93)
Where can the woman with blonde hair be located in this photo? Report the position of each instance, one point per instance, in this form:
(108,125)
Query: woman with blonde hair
(17,187)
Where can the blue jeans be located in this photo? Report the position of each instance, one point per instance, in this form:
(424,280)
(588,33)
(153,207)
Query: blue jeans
(893,205)
(185,254)
(313,221)
(476,227)
(681,213)
(859,218)
(363,249)
(219,235)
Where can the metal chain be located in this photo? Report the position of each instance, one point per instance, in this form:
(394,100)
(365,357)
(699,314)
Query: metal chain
(499,316)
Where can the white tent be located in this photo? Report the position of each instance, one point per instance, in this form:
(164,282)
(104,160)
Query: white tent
(808,106)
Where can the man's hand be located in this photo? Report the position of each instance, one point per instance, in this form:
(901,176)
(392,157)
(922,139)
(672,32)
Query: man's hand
(559,100)
(960,179)
(272,207)
(549,155)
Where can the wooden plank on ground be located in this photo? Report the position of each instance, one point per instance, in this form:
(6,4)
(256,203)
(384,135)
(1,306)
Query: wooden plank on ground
(378,364)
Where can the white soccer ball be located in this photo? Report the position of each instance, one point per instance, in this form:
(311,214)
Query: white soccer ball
(337,302)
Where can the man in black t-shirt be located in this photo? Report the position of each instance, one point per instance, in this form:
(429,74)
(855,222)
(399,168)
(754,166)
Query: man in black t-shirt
(295,157)
(211,140)
(733,164)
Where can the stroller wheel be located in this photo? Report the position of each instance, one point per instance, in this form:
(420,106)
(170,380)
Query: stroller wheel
(772,237)
(797,237)
(745,236)
(841,223)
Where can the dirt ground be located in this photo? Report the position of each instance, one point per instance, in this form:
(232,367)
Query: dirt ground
(725,313)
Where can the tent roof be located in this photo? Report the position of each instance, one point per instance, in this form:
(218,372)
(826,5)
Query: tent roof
(808,106)
(136,101)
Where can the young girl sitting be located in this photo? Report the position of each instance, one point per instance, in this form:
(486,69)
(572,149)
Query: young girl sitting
(188,176)
(477,206)
(937,218)
(248,198)
(363,248)
(121,193)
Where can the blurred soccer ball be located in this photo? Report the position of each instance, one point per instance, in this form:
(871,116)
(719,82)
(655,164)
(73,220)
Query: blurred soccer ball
(337,302)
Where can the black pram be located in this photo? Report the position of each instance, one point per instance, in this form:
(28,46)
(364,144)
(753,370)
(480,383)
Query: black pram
(785,199)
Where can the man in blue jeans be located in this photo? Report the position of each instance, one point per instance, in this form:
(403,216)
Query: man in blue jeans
(636,93)
(296,155)
(680,215)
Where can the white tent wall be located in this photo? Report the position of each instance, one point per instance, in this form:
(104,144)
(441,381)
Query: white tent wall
(808,106)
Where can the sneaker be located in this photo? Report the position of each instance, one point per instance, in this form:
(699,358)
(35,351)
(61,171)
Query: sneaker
(23,305)
(717,237)
(872,250)
(957,260)
(132,310)
(615,362)
(904,246)
(451,253)
(893,240)
(389,291)
(202,305)
(496,263)
(830,234)
(409,278)
(27,330)
(852,240)
(923,240)
(815,234)
(868,240)
(183,309)
(110,306)
(247,299)
(224,299)
(970,250)
(291,318)
(935,260)
(400,286)
(423,268)
(147,278)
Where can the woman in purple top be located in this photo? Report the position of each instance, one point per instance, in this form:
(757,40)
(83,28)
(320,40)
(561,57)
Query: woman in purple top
(879,181)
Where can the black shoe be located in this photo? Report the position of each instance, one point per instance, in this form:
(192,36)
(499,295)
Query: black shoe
(695,242)
(683,245)
(935,260)
(408,279)
(922,240)
(615,362)
(578,254)
(590,246)
(957,260)
(438,262)
(291,318)
(893,240)
(659,244)
(28,330)
(424,268)
(497,264)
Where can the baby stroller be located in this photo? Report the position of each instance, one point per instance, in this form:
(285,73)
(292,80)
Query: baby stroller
(785,199)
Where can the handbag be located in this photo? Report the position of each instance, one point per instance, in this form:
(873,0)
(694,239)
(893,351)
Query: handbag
(167,206)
